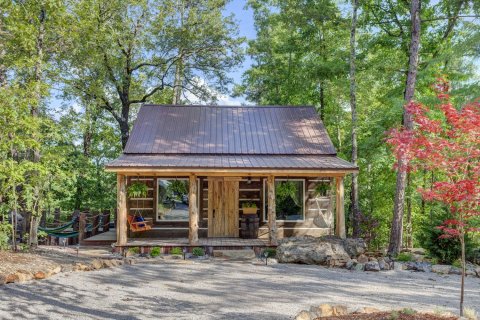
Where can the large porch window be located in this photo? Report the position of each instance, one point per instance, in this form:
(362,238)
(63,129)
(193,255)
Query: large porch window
(172,203)
(289,200)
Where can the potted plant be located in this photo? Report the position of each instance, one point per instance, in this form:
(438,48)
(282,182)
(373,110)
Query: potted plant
(322,189)
(249,208)
(137,190)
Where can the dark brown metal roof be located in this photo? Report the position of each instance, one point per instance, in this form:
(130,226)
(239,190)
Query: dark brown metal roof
(307,162)
(267,130)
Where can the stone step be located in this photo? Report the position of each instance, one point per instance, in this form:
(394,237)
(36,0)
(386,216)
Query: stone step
(243,254)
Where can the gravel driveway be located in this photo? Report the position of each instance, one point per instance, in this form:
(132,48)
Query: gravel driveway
(225,290)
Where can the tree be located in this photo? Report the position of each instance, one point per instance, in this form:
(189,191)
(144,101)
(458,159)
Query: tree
(445,140)
(353,107)
(396,233)
(127,53)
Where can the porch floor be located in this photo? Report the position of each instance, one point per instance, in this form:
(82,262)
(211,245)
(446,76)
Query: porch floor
(202,242)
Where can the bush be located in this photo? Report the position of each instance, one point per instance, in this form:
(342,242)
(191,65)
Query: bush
(5,235)
(176,251)
(134,250)
(404,257)
(198,252)
(155,252)
(272,252)
(457,263)
(446,250)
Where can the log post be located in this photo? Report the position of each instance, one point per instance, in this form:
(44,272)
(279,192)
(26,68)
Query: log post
(82,224)
(106,220)
(95,223)
(193,210)
(272,216)
(121,210)
(340,210)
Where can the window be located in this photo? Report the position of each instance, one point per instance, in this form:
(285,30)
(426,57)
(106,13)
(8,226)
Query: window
(289,200)
(172,204)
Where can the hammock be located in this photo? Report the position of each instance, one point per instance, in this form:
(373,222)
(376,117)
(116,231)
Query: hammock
(60,228)
(64,234)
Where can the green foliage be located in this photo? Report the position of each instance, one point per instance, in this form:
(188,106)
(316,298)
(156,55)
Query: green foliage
(176,251)
(155,252)
(404,257)
(134,250)
(457,263)
(287,198)
(394,315)
(272,252)
(322,189)
(198,252)
(445,250)
(5,235)
(408,311)
(249,204)
(137,190)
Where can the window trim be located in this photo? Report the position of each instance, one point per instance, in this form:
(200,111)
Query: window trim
(265,200)
(156,197)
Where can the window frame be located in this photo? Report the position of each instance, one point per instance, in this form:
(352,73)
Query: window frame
(157,197)
(265,199)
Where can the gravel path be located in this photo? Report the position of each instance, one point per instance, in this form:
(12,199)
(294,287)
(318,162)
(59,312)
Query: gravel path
(225,290)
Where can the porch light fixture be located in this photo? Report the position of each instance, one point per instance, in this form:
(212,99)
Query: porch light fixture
(184,253)
(266,257)
(249,180)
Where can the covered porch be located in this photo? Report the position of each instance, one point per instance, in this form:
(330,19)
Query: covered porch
(216,204)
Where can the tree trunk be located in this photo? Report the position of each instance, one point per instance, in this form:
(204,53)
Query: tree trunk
(353,106)
(36,210)
(177,85)
(322,100)
(462,289)
(124,126)
(409,226)
(396,232)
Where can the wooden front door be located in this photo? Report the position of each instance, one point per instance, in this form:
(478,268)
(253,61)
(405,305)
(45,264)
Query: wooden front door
(223,207)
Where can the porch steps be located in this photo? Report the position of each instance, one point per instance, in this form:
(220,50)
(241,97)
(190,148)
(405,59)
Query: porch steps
(243,254)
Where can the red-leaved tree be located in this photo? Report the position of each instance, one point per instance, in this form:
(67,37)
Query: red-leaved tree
(446,140)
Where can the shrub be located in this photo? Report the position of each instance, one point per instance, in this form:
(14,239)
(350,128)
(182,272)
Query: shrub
(457,263)
(404,257)
(155,252)
(134,250)
(272,252)
(176,251)
(446,250)
(198,252)
(408,311)
(470,313)
(5,234)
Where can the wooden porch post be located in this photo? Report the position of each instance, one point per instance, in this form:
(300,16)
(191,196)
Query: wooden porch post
(272,216)
(121,210)
(193,210)
(340,210)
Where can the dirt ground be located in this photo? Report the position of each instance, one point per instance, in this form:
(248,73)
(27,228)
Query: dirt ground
(214,289)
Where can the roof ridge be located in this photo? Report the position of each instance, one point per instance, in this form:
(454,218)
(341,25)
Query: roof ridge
(226,106)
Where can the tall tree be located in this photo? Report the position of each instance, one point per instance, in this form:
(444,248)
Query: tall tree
(353,107)
(129,50)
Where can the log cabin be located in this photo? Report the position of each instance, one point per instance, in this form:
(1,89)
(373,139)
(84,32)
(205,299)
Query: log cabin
(236,172)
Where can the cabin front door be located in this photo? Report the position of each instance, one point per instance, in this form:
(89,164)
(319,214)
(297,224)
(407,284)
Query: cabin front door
(223,220)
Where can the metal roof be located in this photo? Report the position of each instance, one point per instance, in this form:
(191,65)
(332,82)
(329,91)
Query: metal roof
(190,161)
(225,137)
(167,129)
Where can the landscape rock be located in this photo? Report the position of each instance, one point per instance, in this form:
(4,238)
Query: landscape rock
(23,275)
(372,266)
(11,278)
(354,246)
(39,275)
(418,266)
(372,259)
(323,310)
(441,268)
(97,264)
(362,258)
(327,250)
(360,267)
(304,315)
(382,264)
(351,264)
(455,270)
(367,310)
(340,310)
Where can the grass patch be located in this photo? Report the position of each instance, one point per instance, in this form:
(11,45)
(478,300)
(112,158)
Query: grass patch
(404,257)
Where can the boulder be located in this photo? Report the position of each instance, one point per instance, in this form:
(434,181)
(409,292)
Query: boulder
(354,246)
(97,264)
(39,275)
(11,278)
(418,266)
(323,310)
(362,258)
(351,264)
(360,267)
(455,270)
(304,315)
(327,250)
(382,264)
(372,266)
(372,259)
